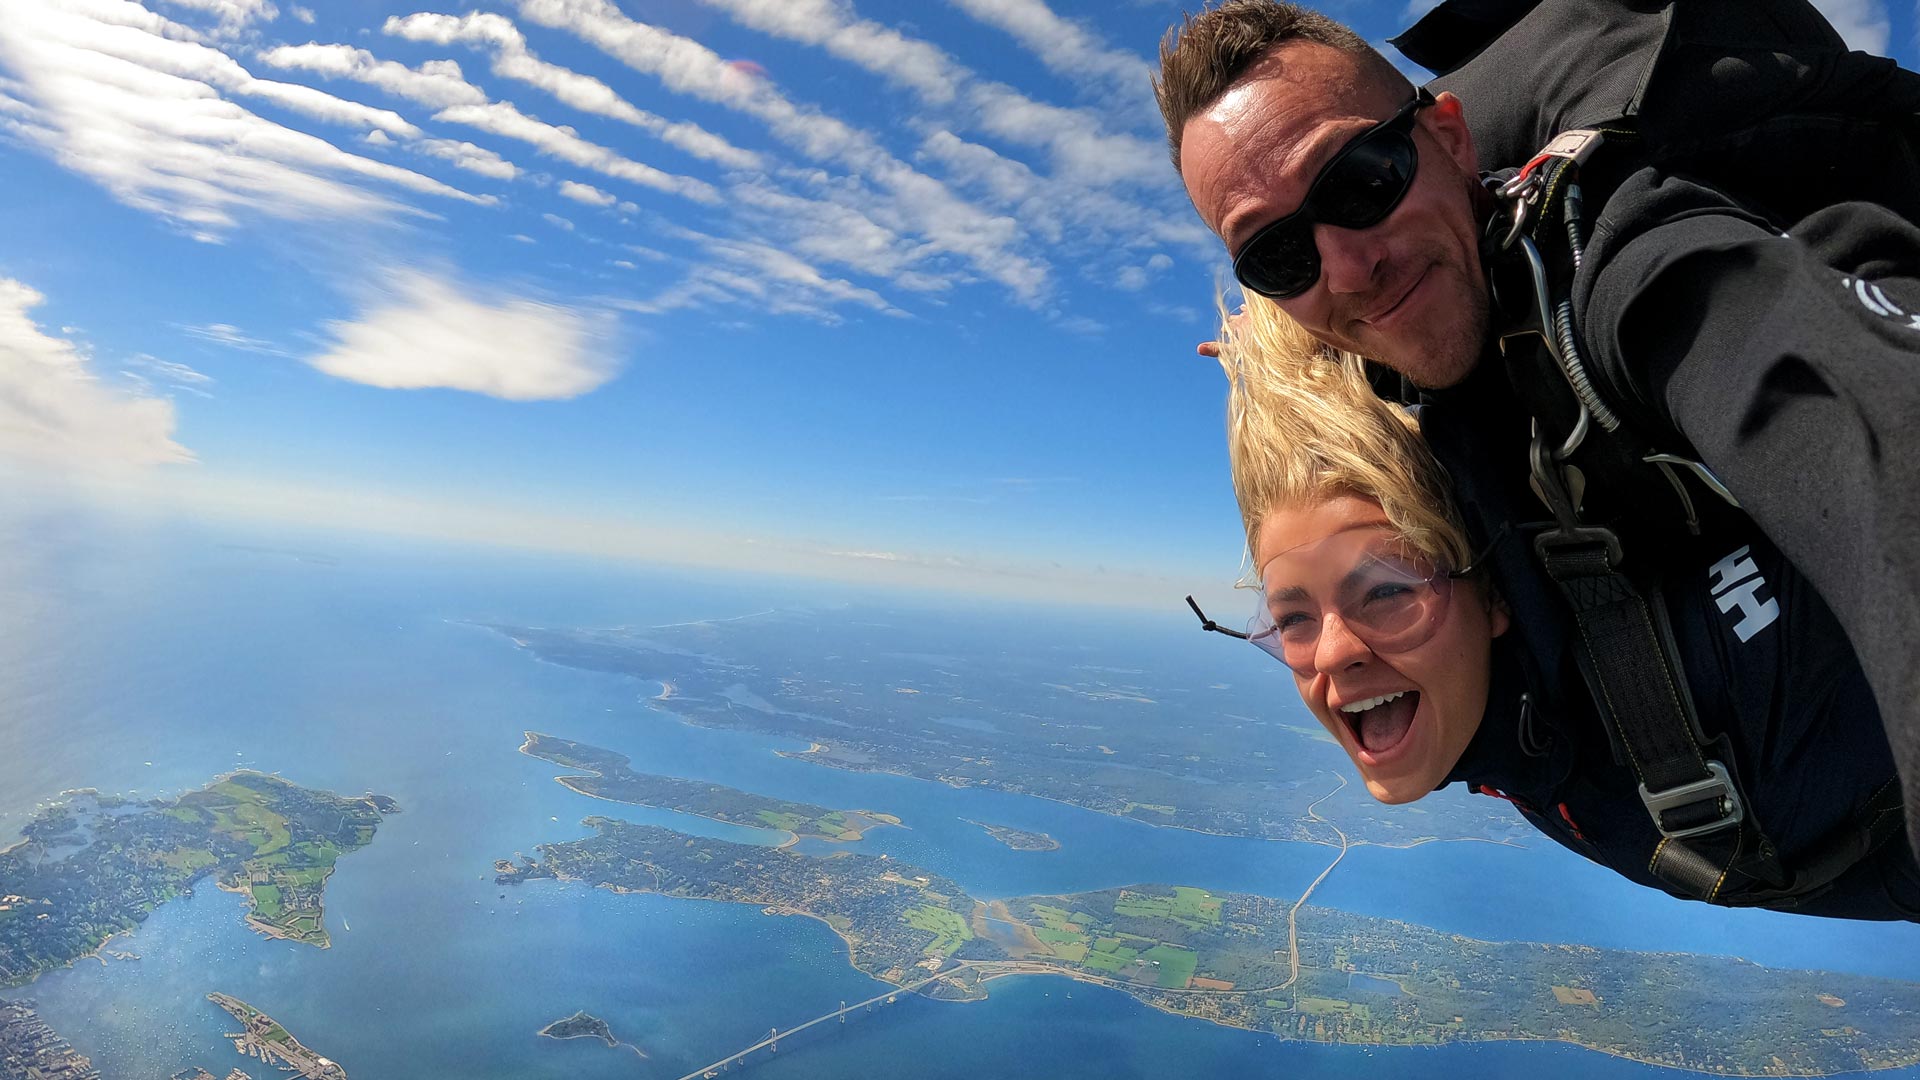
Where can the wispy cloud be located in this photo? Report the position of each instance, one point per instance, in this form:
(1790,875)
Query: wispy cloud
(1863,24)
(1074,138)
(585,193)
(1064,46)
(465,155)
(504,119)
(55,411)
(233,14)
(437,84)
(988,242)
(126,97)
(233,338)
(431,334)
(513,60)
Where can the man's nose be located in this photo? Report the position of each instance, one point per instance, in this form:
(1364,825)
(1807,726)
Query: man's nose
(1350,259)
(1339,648)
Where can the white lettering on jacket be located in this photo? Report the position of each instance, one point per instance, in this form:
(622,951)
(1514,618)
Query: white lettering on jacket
(1736,583)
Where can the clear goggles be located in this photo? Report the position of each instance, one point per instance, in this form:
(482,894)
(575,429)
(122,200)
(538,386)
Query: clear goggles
(1382,591)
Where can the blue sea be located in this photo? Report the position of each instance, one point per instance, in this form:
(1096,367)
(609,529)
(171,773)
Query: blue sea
(144,655)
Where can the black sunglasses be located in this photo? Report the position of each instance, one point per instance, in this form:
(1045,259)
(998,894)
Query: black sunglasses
(1359,187)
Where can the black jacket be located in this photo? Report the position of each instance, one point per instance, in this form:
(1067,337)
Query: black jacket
(1751,290)
(1770,672)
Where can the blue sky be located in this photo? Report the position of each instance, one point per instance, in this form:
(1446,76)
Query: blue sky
(893,291)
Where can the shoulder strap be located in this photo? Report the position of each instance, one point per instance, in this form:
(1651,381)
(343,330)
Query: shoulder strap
(1626,650)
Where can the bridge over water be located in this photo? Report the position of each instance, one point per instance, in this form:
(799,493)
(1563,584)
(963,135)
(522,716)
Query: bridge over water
(774,1038)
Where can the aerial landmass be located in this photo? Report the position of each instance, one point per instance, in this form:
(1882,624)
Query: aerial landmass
(608,777)
(97,865)
(29,1048)
(585,1025)
(262,1036)
(1273,965)
(1043,724)
(1017,839)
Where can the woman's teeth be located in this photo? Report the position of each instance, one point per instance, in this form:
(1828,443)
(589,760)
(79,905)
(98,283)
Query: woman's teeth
(1370,703)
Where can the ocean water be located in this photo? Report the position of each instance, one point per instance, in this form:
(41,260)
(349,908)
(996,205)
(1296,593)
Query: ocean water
(148,656)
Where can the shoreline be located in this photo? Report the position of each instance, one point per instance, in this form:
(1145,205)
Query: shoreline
(875,820)
(783,909)
(812,755)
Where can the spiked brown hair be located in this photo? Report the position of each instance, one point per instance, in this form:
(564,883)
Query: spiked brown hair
(1206,53)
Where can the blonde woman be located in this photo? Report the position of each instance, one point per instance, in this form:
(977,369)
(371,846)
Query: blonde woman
(1429,670)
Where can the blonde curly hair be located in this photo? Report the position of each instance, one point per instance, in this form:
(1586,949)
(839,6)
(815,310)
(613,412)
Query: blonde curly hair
(1304,426)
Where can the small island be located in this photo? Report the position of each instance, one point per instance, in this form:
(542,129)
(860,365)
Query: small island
(97,865)
(609,777)
(581,1025)
(262,1036)
(1018,839)
(1274,965)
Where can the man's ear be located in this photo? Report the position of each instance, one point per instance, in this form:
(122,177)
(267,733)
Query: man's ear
(1447,123)
(1498,616)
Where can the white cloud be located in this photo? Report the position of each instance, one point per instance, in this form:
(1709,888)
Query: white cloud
(118,94)
(513,60)
(1062,45)
(832,25)
(234,338)
(431,335)
(465,155)
(438,84)
(233,13)
(585,193)
(1072,137)
(147,370)
(1863,24)
(558,222)
(775,280)
(503,119)
(53,410)
(305,15)
(945,223)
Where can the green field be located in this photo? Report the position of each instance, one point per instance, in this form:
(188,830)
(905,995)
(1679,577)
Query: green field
(949,930)
(1195,909)
(1176,965)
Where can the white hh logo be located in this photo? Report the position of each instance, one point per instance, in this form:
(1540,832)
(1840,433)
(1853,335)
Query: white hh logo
(1737,584)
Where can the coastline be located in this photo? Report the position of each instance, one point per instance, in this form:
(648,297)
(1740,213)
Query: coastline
(873,820)
(778,908)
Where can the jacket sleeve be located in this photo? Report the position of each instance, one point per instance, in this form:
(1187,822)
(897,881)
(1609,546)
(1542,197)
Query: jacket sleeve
(1791,363)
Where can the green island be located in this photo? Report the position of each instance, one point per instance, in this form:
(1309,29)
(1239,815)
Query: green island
(608,777)
(1103,740)
(262,1036)
(581,1025)
(1228,958)
(1018,839)
(97,865)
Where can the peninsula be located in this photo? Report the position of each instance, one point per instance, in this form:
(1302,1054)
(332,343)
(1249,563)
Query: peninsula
(1017,839)
(1237,959)
(261,1036)
(607,776)
(1108,741)
(97,865)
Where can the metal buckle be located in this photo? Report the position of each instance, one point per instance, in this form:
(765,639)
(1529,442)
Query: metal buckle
(1718,786)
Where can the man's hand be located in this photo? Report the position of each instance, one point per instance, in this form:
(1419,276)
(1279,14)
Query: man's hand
(1234,322)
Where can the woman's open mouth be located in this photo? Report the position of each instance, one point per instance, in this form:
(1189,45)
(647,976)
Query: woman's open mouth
(1381,723)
